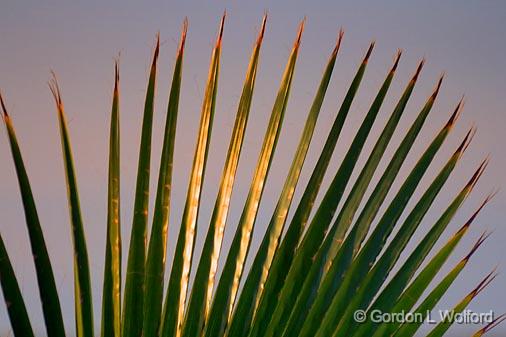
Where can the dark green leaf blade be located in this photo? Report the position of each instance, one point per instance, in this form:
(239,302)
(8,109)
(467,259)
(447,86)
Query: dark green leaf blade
(318,226)
(415,290)
(306,296)
(45,277)
(374,279)
(394,288)
(82,282)
(133,302)
(111,292)
(16,308)
(369,252)
(439,290)
(255,280)
(155,262)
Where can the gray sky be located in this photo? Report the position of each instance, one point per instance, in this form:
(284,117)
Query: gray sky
(79,42)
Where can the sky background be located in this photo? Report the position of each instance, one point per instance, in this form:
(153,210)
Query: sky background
(79,41)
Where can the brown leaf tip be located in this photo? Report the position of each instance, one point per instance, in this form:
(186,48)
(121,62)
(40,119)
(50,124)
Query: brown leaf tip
(467,140)
(478,173)
(477,245)
(262,29)
(4,109)
(456,114)
(397,58)
(157,49)
(495,322)
(418,70)
(484,283)
(299,33)
(369,52)
(435,92)
(339,41)
(222,26)
(184,30)
(116,75)
(55,90)
(475,214)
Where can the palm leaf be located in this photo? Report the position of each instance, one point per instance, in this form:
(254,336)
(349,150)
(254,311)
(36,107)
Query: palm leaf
(360,266)
(444,325)
(309,282)
(82,284)
(228,284)
(377,275)
(253,285)
(306,296)
(201,294)
(322,218)
(395,287)
(435,295)
(45,277)
(495,322)
(134,284)
(178,281)
(155,262)
(415,290)
(16,308)
(111,292)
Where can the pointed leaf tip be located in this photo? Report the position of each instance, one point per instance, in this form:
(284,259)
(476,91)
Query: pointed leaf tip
(116,76)
(369,52)
(397,58)
(184,31)
(478,173)
(299,33)
(2,103)
(435,92)
(484,283)
(475,214)
(55,90)
(262,29)
(466,141)
(222,26)
(498,320)
(456,114)
(418,70)
(339,40)
(157,49)
(484,236)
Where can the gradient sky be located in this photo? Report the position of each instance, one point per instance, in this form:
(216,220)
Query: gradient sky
(79,41)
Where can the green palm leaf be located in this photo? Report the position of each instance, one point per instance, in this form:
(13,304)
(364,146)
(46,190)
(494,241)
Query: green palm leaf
(178,281)
(16,308)
(378,274)
(438,291)
(134,285)
(228,284)
(45,277)
(322,218)
(111,294)
(82,283)
(395,287)
(155,262)
(308,282)
(201,294)
(362,263)
(253,285)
